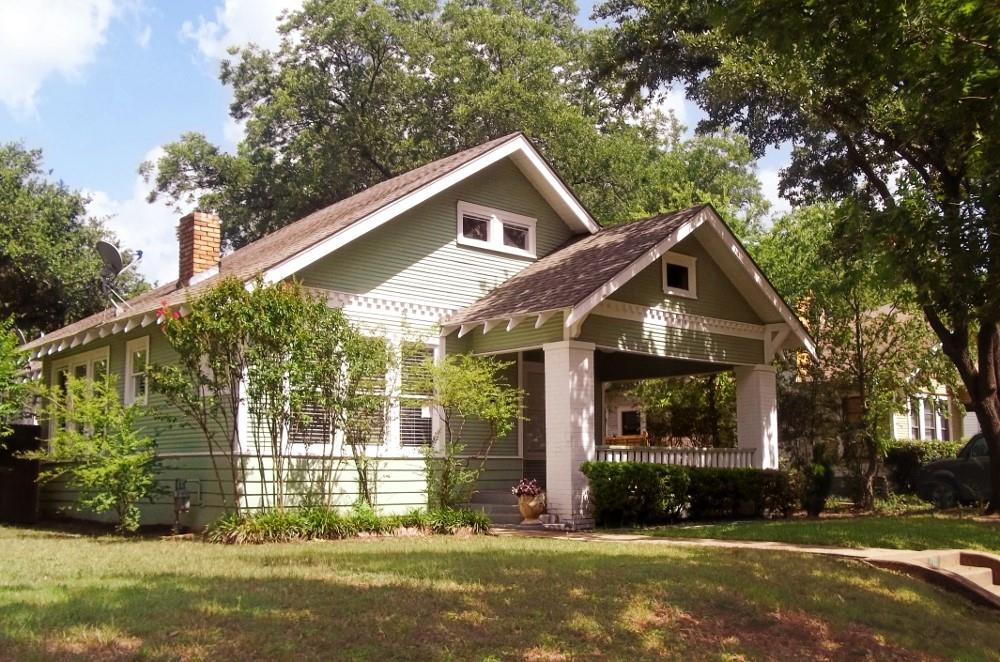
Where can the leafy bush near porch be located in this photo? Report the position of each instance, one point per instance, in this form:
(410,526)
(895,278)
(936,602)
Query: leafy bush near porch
(905,457)
(638,493)
(318,523)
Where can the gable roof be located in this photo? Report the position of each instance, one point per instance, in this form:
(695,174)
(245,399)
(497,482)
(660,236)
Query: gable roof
(295,246)
(571,273)
(584,272)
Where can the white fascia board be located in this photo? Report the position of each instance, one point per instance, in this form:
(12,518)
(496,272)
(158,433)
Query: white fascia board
(582,309)
(518,145)
(757,278)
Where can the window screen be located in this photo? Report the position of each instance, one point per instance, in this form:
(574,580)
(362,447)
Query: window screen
(415,423)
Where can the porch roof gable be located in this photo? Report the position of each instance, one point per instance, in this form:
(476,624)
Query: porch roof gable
(577,277)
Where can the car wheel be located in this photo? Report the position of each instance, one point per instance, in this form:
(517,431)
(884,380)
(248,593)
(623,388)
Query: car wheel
(943,495)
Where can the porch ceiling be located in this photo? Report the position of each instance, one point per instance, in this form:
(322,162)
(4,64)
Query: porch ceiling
(611,366)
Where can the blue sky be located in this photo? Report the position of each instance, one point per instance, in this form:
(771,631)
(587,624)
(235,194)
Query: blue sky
(99,85)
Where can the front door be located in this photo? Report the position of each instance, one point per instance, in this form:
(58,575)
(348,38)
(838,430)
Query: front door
(534,421)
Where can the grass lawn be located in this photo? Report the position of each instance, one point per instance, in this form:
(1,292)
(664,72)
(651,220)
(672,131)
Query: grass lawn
(70,596)
(909,532)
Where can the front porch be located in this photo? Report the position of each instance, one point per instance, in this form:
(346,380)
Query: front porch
(564,424)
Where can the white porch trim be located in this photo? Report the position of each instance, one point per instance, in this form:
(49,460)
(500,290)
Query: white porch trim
(525,157)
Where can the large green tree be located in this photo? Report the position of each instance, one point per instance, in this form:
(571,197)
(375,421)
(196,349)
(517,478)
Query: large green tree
(360,91)
(892,104)
(874,349)
(48,266)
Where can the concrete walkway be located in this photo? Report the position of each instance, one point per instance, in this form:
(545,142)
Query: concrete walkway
(971,573)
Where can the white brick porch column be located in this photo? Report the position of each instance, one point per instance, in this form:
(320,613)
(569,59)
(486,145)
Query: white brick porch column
(757,413)
(570,437)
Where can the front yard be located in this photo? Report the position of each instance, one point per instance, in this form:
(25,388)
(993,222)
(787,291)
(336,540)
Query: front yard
(897,532)
(64,595)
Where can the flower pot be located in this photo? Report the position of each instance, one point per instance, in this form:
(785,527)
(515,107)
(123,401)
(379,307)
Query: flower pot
(531,507)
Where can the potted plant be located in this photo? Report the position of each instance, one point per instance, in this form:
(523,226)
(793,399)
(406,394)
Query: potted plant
(530,500)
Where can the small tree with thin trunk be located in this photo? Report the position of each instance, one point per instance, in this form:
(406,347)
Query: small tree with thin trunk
(97,445)
(462,389)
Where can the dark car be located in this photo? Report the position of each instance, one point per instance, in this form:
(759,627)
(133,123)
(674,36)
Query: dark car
(963,479)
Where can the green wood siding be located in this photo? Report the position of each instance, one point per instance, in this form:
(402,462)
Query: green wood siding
(661,340)
(525,335)
(717,296)
(415,257)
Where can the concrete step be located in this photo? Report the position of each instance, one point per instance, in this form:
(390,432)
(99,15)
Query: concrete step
(494,496)
(981,576)
(506,519)
(945,560)
(495,508)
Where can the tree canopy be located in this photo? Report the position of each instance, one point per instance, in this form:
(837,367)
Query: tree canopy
(361,91)
(48,266)
(891,104)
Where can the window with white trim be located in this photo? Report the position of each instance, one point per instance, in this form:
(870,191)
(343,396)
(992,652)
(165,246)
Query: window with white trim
(680,275)
(86,365)
(929,418)
(136,360)
(496,230)
(415,420)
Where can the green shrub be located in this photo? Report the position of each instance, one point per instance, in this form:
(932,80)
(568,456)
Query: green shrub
(905,457)
(635,493)
(817,484)
(625,493)
(319,523)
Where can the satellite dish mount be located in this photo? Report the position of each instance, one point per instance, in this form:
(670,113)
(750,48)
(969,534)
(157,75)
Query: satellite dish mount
(114,266)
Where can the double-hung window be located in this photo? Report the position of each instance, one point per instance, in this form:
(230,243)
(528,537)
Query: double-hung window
(136,359)
(495,230)
(415,421)
(929,418)
(91,365)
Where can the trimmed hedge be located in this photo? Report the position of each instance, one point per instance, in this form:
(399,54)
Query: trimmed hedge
(904,458)
(624,493)
(317,523)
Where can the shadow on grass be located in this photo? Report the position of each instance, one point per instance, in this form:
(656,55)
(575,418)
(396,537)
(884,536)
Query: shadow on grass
(439,599)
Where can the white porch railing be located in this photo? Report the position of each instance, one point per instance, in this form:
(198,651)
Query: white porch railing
(688,457)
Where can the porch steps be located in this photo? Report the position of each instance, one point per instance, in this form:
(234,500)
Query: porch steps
(499,505)
(976,574)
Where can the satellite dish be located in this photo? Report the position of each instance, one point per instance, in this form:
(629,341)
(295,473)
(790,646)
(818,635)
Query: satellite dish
(111,257)
(114,266)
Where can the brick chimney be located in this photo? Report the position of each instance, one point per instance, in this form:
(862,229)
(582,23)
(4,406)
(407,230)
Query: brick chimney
(199,235)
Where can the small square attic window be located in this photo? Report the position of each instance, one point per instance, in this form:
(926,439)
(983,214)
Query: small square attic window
(495,230)
(680,275)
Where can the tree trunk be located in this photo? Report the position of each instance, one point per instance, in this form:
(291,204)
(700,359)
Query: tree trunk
(979,375)
(988,414)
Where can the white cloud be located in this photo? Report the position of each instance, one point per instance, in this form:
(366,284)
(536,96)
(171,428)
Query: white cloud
(769,178)
(41,38)
(139,225)
(143,37)
(233,131)
(237,23)
(673,102)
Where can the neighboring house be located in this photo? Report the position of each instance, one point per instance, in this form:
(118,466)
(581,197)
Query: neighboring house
(934,416)
(485,251)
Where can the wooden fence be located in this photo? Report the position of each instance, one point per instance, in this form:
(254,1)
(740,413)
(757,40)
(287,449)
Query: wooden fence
(687,457)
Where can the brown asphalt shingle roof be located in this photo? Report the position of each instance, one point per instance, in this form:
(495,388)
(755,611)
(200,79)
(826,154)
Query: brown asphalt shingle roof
(571,273)
(275,248)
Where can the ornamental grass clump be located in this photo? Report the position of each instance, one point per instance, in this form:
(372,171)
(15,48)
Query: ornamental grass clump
(320,523)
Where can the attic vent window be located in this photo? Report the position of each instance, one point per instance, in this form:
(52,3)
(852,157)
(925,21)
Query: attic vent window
(680,277)
(495,230)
